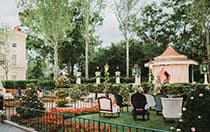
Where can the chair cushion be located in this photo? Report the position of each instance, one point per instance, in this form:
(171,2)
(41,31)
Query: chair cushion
(115,109)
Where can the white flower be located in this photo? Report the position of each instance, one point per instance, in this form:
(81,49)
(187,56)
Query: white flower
(172,128)
(199,117)
(191,97)
(178,130)
(180,114)
(200,94)
(180,120)
(184,109)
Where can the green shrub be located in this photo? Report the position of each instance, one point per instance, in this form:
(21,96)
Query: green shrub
(62,82)
(147,86)
(181,88)
(89,80)
(77,91)
(61,103)
(46,84)
(17,83)
(61,95)
(110,80)
(124,91)
(92,87)
(28,102)
(127,79)
(196,112)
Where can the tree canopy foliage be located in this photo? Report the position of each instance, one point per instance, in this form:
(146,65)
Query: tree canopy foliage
(178,22)
(49,19)
(7,56)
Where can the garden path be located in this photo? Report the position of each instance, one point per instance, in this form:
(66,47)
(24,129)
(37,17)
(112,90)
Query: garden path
(9,128)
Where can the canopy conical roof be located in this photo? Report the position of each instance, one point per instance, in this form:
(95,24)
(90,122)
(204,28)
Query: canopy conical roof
(170,56)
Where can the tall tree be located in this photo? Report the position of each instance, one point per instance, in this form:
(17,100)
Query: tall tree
(72,51)
(114,55)
(151,27)
(157,27)
(200,16)
(49,19)
(91,10)
(125,12)
(187,37)
(7,57)
(39,57)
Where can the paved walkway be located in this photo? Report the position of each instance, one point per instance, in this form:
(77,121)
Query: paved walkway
(9,128)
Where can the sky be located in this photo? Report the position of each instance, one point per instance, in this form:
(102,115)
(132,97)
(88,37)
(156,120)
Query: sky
(108,32)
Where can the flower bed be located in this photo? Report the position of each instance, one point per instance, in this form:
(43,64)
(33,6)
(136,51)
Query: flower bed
(8,103)
(77,111)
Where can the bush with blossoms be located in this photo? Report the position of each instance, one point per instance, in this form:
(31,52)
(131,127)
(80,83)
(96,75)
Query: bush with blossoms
(62,82)
(61,95)
(196,112)
(28,102)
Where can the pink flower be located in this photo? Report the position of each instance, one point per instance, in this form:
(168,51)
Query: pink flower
(193,129)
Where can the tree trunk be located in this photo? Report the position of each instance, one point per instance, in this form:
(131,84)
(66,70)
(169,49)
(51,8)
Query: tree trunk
(55,70)
(72,69)
(87,38)
(127,48)
(86,55)
(127,57)
(208,49)
(69,70)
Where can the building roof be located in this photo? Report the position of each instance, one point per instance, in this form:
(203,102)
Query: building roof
(17,28)
(18,32)
(170,52)
(171,56)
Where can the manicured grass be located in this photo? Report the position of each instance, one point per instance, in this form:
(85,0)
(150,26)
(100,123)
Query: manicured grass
(155,121)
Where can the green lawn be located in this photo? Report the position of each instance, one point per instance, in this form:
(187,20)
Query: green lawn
(155,121)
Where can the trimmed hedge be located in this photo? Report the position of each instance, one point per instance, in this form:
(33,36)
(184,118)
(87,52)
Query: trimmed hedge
(182,88)
(46,84)
(174,89)
(17,83)
(110,80)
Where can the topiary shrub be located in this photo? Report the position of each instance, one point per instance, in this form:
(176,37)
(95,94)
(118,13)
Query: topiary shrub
(62,82)
(77,91)
(28,102)
(61,95)
(124,91)
(196,112)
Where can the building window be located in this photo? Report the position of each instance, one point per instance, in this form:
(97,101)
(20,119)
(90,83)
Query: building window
(14,45)
(14,77)
(2,58)
(14,59)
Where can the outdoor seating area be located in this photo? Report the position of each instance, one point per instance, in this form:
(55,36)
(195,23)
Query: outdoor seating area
(103,110)
(106,113)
